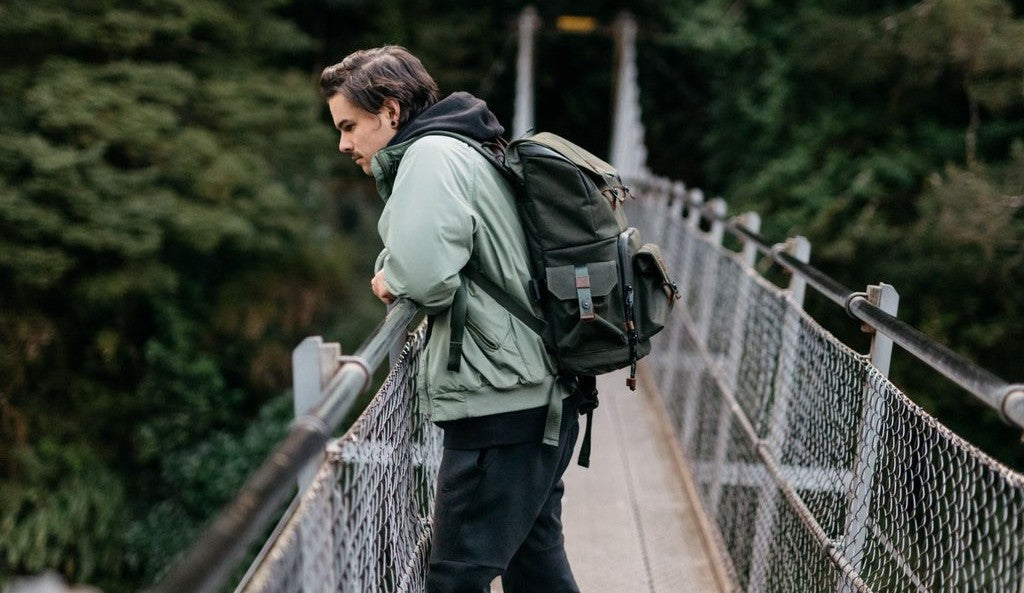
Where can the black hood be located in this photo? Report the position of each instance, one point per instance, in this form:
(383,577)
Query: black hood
(461,113)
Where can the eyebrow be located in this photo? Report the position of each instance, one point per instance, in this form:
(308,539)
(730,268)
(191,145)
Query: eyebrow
(340,123)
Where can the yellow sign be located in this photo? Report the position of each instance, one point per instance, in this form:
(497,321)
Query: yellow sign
(576,24)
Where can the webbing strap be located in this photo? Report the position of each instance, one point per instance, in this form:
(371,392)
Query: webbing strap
(553,421)
(458,327)
(629,294)
(586,386)
(583,296)
(584,457)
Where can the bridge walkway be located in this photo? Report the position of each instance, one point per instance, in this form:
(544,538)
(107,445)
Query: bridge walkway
(632,524)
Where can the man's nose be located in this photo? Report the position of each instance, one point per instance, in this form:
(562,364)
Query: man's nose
(344,144)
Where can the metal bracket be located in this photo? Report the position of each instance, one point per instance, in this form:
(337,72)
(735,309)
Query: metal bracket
(361,363)
(1012,409)
(848,305)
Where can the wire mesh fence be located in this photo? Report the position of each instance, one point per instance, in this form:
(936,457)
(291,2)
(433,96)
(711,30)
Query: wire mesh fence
(818,473)
(363,524)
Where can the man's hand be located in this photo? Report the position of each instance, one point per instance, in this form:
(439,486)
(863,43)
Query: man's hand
(380,290)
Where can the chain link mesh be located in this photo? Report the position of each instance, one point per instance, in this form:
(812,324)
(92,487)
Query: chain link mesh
(364,523)
(818,473)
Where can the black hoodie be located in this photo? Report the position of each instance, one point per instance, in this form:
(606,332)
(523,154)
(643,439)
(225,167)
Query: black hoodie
(461,113)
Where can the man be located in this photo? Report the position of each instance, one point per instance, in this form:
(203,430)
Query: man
(509,422)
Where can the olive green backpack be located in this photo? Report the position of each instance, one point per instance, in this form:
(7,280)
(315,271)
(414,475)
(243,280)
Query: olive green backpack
(602,292)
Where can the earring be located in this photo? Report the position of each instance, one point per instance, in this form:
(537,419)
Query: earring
(394,124)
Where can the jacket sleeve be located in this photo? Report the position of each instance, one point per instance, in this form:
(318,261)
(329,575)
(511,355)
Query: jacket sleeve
(427,225)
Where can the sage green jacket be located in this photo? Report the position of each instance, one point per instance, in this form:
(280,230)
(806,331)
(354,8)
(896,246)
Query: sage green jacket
(445,204)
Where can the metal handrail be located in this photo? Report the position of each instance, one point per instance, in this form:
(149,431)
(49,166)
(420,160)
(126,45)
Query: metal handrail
(1006,398)
(207,565)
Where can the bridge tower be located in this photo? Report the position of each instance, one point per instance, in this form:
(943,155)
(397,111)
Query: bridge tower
(627,152)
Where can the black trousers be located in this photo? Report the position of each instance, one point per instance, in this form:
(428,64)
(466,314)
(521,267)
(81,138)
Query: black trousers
(498,512)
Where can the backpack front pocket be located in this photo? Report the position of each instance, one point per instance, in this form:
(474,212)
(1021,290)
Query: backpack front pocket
(585,307)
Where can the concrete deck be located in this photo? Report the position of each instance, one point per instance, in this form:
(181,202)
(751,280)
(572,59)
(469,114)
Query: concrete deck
(630,524)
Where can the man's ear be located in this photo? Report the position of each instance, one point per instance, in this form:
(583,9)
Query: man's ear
(392,109)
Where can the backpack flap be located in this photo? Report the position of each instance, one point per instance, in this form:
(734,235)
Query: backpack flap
(566,282)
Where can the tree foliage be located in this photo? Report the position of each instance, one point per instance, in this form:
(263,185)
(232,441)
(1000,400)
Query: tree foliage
(890,134)
(161,175)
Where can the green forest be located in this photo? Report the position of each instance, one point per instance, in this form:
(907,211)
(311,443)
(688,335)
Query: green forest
(175,217)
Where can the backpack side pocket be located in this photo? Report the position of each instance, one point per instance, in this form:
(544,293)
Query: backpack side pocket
(656,292)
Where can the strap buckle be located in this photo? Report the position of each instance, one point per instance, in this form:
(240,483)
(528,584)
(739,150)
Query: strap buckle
(583,295)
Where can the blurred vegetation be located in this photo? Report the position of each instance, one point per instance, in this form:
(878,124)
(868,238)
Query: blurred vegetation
(174,219)
(163,245)
(891,134)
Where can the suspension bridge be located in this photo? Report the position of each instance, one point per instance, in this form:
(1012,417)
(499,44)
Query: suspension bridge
(761,454)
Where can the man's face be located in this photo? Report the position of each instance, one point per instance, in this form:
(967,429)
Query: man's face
(362,133)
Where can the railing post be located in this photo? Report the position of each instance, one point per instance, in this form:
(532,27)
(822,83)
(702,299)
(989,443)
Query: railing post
(669,237)
(747,259)
(717,232)
(725,413)
(654,206)
(677,204)
(693,202)
(690,240)
(647,211)
(731,360)
(767,502)
(751,220)
(873,411)
(709,279)
(655,218)
(800,248)
(706,285)
(673,242)
(522,120)
(313,364)
(887,299)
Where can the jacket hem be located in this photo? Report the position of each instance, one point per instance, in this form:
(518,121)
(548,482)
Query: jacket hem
(487,401)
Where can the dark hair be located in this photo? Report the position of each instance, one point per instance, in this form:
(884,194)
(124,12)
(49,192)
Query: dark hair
(369,76)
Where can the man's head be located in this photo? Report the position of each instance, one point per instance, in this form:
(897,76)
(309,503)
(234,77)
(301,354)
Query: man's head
(372,93)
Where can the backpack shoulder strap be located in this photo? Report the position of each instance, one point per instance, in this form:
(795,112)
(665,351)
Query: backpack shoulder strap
(494,153)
